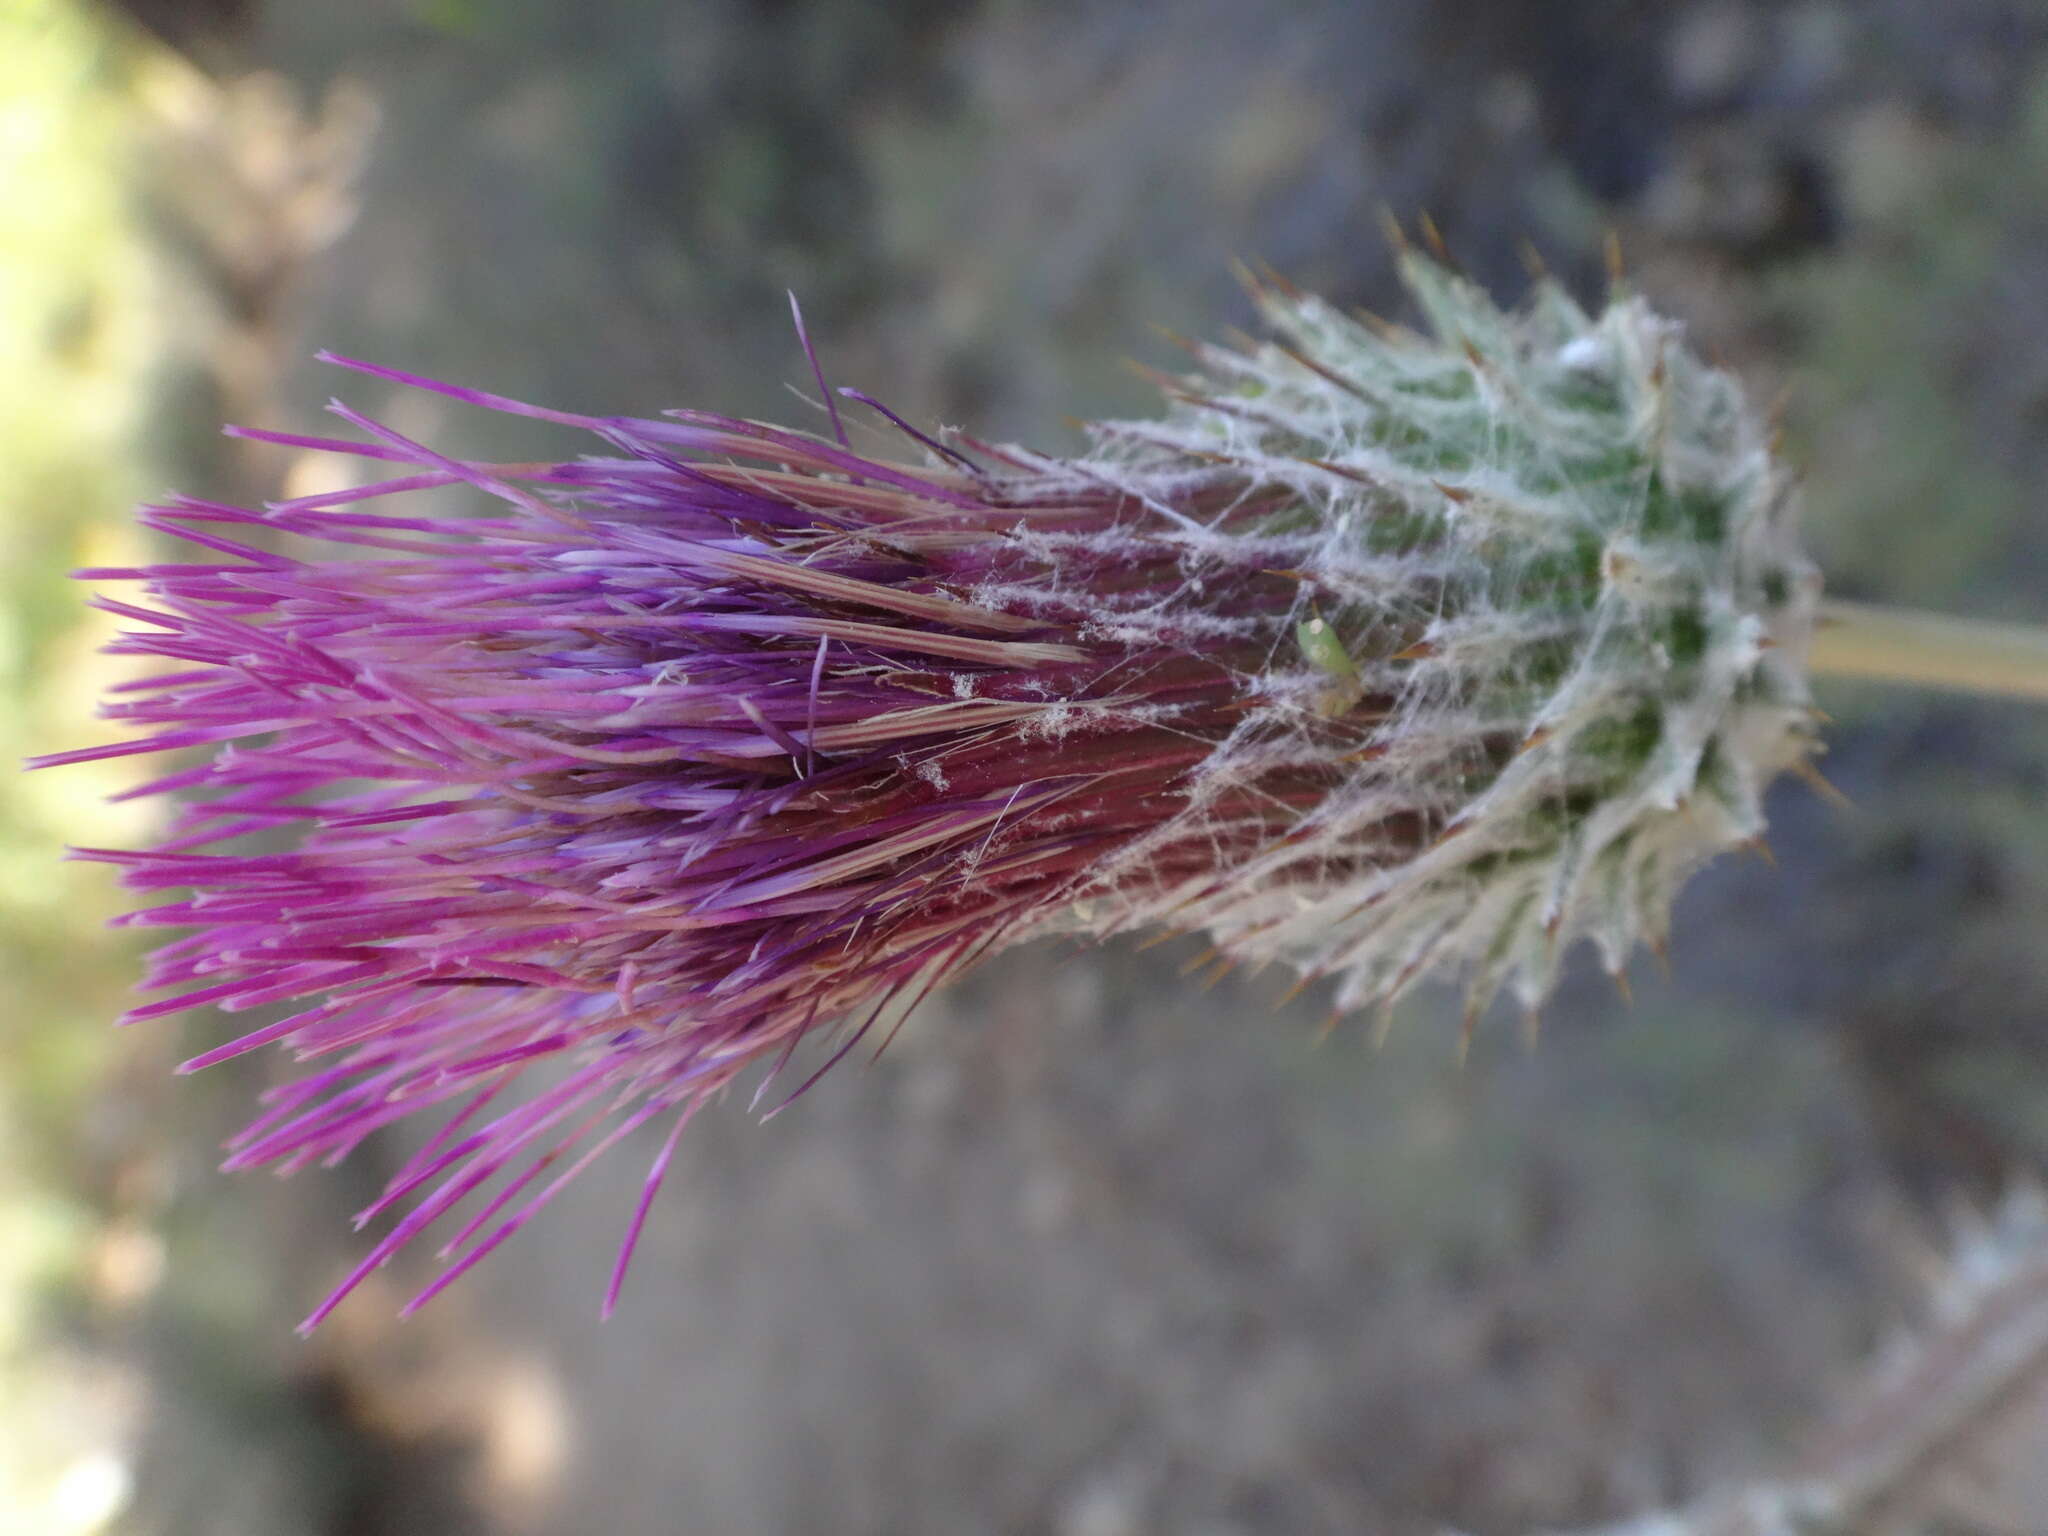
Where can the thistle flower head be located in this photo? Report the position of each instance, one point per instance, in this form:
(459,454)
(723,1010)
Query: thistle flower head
(1377,654)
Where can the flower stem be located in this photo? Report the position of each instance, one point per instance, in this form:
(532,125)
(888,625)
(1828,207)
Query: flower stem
(1902,646)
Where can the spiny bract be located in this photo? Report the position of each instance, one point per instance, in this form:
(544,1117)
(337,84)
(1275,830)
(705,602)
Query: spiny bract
(1548,567)
(1377,655)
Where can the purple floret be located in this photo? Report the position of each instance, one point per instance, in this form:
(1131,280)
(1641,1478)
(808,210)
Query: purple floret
(669,759)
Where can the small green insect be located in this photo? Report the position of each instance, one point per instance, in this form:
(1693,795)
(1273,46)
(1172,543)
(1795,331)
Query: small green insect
(1326,653)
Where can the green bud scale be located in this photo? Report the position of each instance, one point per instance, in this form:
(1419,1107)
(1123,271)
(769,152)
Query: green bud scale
(1547,569)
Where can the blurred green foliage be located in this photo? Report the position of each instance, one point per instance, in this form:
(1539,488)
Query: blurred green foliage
(1921,388)
(1920,399)
(76,340)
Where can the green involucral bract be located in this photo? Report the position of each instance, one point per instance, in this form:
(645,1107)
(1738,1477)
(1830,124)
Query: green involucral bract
(1547,564)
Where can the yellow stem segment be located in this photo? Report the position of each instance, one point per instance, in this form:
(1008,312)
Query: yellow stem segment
(1901,646)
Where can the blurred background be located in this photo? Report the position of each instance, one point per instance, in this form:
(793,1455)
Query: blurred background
(1090,1253)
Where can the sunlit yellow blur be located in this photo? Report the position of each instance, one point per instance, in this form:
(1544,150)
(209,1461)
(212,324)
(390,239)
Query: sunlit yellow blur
(76,341)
